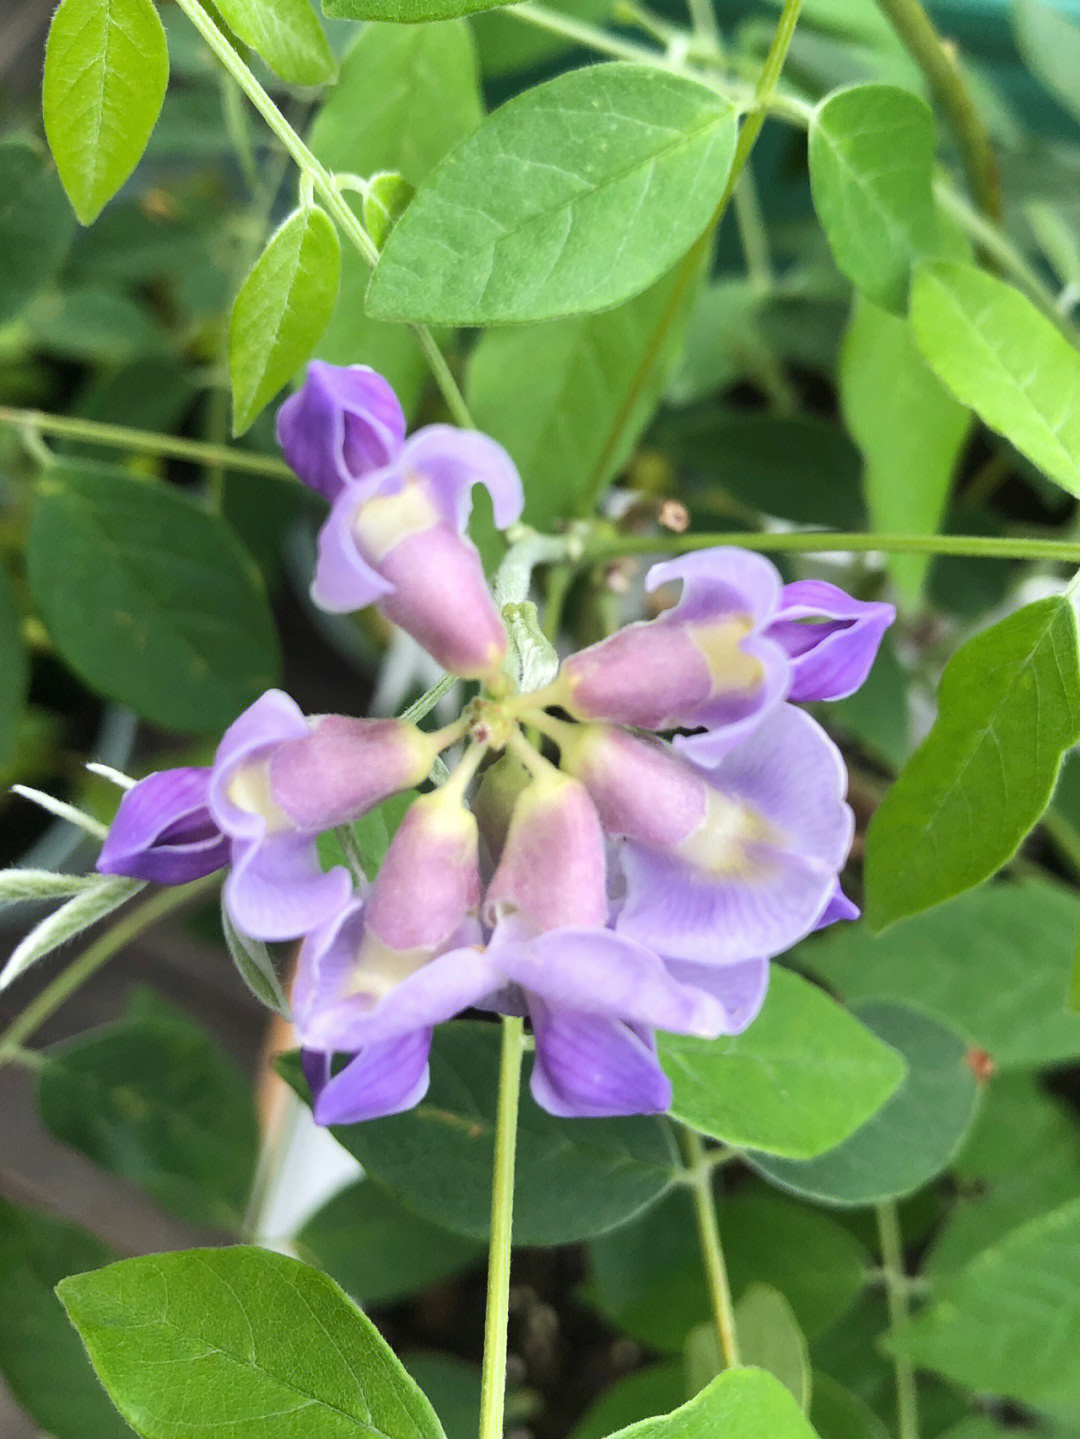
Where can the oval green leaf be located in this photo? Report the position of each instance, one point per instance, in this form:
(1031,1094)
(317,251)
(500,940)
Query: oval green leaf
(871,161)
(254,1344)
(149,599)
(740,1404)
(106,72)
(804,1076)
(910,1139)
(283,307)
(571,198)
(284,33)
(36,225)
(1008,709)
(1005,360)
(575,1177)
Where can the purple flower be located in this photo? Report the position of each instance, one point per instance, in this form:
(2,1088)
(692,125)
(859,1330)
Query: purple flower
(831,639)
(340,425)
(164,831)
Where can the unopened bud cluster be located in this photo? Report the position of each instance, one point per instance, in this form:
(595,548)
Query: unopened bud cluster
(576,867)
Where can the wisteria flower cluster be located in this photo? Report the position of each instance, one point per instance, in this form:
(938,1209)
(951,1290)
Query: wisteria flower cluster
(639,883)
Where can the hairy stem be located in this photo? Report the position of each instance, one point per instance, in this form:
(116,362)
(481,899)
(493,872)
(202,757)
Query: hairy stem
(323,182)
(940,65)
(606,547)
(493,1377)
(896,1295)
(100,952)
(699,1169)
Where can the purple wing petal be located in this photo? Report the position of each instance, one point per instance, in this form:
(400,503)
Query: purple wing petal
(589,1067)
(838,908)
(382,1079)
(277,891)
(832,639)
(344,581)
(163,830)
(740,989)
(341,423)
(453,460)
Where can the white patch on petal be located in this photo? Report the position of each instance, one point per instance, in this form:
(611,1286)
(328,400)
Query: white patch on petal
(731,669)
(728,840)
(380,969)
(249,789)
(381,523)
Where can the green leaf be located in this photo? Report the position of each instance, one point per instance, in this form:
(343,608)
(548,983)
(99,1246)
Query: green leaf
(910,429)
(36,226)
(770,1339)
(452,1388)
(371,834)
(106,72)
(565,397)
(1008,709)
(14,669)
(284,33)
(1049,45)
(250,1341)
(404,97)
(406,12)
(913,1137)
(41,1360)
(254,965)
(804,1076)
(148,598)
(1003,358)
(574,196)
(647,1277)
(506,46)
(155,1099)
(836,1413)
(871,161)
(1009,1323)
(1011,1004)
(377,1251)
(283,307)
(95,324)
(740,1404)
(575,1177)
(640,1395)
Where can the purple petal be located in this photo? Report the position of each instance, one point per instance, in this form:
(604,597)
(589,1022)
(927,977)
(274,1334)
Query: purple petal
(163,830)
(344,581)
(276,889)
(838,908)
(721,581)
(272,718)
(739,989)
(453,461)
(732,718)
(832,639)
(589,1067)
(340,424)
(382,1079)
(593,971)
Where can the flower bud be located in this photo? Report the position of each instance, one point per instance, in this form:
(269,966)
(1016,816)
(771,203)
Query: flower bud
(341,424)
(500,788)
(552,871)
(164,831)
(641,789)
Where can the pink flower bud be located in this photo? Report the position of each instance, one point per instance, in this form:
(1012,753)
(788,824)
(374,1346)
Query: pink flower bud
(641,789)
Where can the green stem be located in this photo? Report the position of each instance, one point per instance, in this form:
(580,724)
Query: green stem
(763,93)
(896,1295)
(950,92)
(493,1377)
(429,699)
(828,542)
(146,442)
(582,33)
(323,182)
(100,952)
(698,1172)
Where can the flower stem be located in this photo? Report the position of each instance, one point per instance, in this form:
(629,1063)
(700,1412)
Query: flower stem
(828,542)
(100,952)
(896,1295)
(940,65)
(699,1171)
(493,1377)
(323,182)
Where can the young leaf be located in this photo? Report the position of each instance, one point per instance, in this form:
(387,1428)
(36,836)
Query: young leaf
(41,1360)
(1002,357)
(254,966)
(871,158)
(14,667)
(575,1177)
(255,1344)
(910,429)
(22,884)
(284,33)
(148,598)
(283,307)
(1008,709)
(804,1076)
(1009,1323)
(154,1098)
(739,1404)
(912,1138)
(927,961)
(406,12)
(106,72)
(79,913)
(563,396)
(36,227)
(574,196)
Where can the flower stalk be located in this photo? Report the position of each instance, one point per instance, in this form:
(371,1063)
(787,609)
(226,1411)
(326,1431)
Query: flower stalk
(699,1170)
(896,1296)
